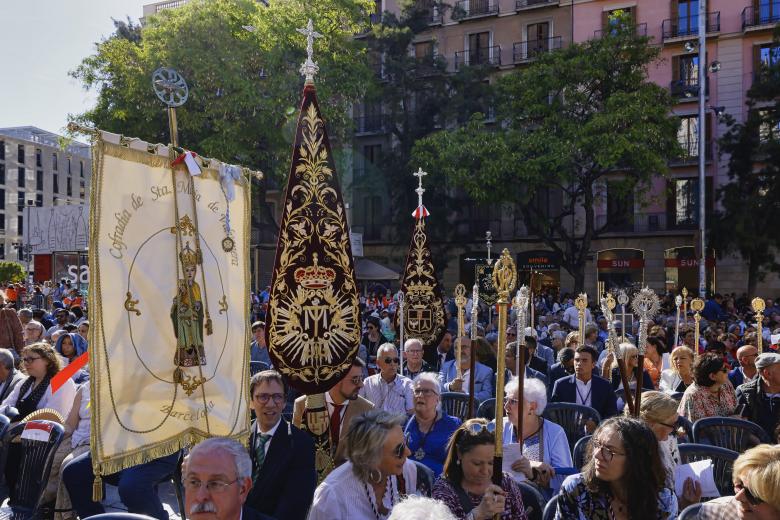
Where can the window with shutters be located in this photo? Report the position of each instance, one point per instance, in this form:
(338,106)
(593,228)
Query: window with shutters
(687,17)
(685,76)
(538,38)
(683,202)
(20,179)
(479,48)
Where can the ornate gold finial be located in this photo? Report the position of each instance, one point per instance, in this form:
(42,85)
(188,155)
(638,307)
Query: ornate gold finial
(309,67)
(504,275)
(611,303)
(581,302)
(188,257)
(460,295)
(697,305)
(759,305)
(185,227)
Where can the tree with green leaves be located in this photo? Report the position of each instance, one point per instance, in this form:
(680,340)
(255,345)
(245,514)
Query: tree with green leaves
(750,201)
(244,86)
(12,272)
(570,121)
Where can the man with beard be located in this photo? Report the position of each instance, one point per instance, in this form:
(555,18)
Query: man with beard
(344,404)
(483,378)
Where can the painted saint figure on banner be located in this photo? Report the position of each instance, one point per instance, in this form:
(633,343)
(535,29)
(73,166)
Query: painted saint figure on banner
(187,314)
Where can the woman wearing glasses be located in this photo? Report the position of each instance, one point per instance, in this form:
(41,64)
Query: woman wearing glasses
(429,429)
(466,486)
(375,477)
(756,485)
(623,478)
(544,442)
(711,394)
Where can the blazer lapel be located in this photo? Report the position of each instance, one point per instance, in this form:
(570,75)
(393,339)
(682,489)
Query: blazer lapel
(277,451)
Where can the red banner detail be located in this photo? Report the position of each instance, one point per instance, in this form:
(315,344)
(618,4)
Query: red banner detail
(66,373)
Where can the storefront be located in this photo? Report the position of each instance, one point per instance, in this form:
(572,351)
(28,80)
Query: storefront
(540,270)
(681,267)
(620,268)
(71,266)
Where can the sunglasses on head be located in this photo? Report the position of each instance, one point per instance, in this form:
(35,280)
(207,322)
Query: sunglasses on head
(477,428)
(395,360)
(750,497)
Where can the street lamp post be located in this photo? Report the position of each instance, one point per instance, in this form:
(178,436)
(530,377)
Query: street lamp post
(702,145)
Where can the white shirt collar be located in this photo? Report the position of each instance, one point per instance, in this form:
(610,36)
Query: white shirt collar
(581,383)
(270,432)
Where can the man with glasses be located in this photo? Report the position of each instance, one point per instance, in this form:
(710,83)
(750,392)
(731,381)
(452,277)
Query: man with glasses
(344,404)
(761,396)
(62,316)
(283,474)
(483,378)
(414,362)
(388,390)
(746,371)
(217,477)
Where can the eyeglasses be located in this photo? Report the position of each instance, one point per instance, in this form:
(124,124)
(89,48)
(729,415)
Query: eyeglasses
(29,360)
(427,392)
(413,351)
(212,486)
(389,360)
(750,497)
(399,450)
(605,450)
(263,398)
(672,426)
(511,402)
(477,428)
(357,380)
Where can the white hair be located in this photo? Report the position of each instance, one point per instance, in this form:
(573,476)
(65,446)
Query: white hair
(428,377)
(411,341)
(414,507)
(384,348)
(240,456)
(534,391)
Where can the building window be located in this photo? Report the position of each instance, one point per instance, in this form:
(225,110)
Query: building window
(2,150)
(20,179)
(687,17)
(55,183)
(2,245)
(54,162)
(39,200)
(69,187)
(768,130)
(688,136)
(38,158)
(685,76)
(372,217)
(479,48)
(538,38)
(610,20)
(81,169)
(69,170)
(20,225)
(20,201)
(2,226)
(620,208)
(82,189)
(2,198)
(39,180)
(683,202)
(20,154)
(2,173)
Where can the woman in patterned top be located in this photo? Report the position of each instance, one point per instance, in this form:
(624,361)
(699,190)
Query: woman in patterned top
(623,464)
(711,395)
(466,486)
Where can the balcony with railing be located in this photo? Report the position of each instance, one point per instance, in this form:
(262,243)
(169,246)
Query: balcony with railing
(690,152)
(432,65)
(429,11)
(483,56)
(687,89)
(634,223)
(763,16)
(685,27)
(531,4)
(639,29)
(370,124)
(529,50)
(467,9)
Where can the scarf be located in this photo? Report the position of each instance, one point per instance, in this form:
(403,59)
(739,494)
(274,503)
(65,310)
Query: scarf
(29,404)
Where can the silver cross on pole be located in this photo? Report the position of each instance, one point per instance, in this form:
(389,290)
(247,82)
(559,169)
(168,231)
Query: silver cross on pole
(488,239)
(309,67)
(420,190)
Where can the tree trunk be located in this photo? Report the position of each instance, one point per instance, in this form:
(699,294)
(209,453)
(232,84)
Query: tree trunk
(579,277)
(752,280)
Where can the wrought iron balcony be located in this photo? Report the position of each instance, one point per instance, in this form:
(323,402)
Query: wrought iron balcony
(765,14)
(529,4)
(528,50)
(429,10)
(371,124)
(690,154)
(687,88)
(485,56)
(688,26)
(639,29)
(466,9)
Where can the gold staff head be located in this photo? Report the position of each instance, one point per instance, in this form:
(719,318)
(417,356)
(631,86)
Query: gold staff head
(611,303)
(581,302)
(504,276)
(685,292)
(460,295)
(758,304)
(697,305)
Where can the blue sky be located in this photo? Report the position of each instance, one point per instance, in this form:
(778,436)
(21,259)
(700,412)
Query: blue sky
(41,40)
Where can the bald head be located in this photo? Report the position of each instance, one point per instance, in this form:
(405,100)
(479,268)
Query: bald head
(746,355)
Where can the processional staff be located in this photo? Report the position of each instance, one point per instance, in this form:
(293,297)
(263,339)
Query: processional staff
(460,303)
(685,304)
(623,301)
(504,280)
(645,305)
(677,302)
(521,304)
(581,303)
(759,305)
(473,335)
(401,305)
(697,305)
(607,305)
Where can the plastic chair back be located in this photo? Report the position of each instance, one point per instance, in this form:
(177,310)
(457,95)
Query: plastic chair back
(455,404)
(579,452)
(684,430)
(722,461)
(425,479)
(572,418)
(677,396)
(487,409)
(730,433)
(122,516)
(550,509)
(533,501)
(690,513)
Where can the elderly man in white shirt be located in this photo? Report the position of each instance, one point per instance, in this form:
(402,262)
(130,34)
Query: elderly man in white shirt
(389,390)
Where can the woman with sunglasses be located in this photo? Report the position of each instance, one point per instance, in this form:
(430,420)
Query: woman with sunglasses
(466,486)
(622,480)
(659,411)
(429,429)
(631,356)
(756,487)
(679,376)
(544,442)
(711,394)
(375,477)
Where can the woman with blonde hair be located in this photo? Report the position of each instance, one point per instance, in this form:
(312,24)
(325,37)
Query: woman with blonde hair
(680,375)
(631,358)
(757,487)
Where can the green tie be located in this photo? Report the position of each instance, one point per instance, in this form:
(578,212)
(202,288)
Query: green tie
(260,455)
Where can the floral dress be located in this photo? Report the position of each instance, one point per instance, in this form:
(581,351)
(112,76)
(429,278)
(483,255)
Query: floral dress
(445,491)
(698,402)
(576,502)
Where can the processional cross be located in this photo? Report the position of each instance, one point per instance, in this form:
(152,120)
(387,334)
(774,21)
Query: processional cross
(309,68)
(420,190)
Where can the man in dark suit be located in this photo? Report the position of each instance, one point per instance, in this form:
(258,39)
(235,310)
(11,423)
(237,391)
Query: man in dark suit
(564,367)
(511,365)
(283,473)
(223,465)
(442,353)
(584,388)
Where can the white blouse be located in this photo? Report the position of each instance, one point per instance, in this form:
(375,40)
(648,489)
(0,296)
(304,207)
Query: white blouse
(81,434)
(343,495)
(61,400)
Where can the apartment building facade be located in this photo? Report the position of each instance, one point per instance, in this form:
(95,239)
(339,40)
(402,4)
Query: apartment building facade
(652,234)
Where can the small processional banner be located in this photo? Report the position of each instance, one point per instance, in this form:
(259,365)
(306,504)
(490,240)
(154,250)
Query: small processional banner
(168,302)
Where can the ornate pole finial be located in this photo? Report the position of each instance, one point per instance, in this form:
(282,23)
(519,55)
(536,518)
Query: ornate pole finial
(421,211)
(581,303)
(309,67)
(677,303)
(697,305)
(489,241)
(460,303)
(401,306)
(759,305)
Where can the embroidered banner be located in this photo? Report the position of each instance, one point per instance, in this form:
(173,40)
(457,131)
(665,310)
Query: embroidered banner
(168,346)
